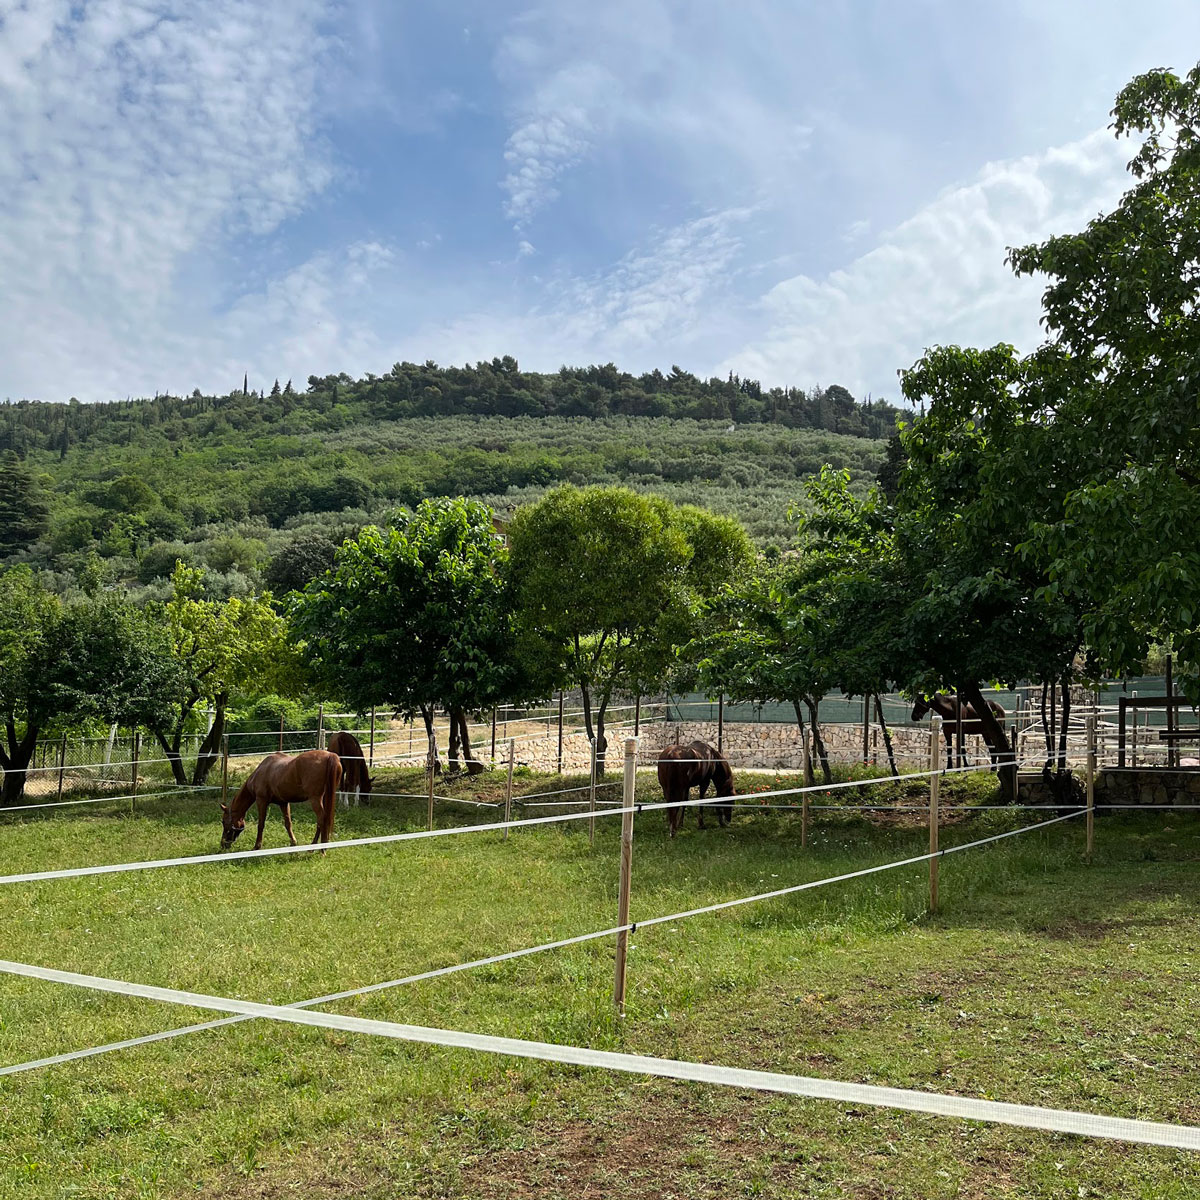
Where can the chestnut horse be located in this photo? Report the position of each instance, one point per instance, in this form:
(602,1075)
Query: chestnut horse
(696,764)
(279,779)
(946,707)
(354,763)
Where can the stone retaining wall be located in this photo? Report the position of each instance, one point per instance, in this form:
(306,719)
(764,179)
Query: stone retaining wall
(778,747)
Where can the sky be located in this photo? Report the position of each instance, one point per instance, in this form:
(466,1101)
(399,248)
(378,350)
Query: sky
(801,193)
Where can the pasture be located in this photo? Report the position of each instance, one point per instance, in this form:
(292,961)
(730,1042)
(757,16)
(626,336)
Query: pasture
(1043,980)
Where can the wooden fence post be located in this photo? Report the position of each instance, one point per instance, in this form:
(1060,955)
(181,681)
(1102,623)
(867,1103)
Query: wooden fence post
(321,727)
(137,745)
(628,797)
(281,733)
(720,720)
(560,729)
(62,762)
(935,765)
(225,769)
(429,766)
(371,752)
(512,751)
(592,797)
(1091,785)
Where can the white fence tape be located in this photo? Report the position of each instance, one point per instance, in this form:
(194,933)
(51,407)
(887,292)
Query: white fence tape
(509,955)
(386,838)
(1184,1137)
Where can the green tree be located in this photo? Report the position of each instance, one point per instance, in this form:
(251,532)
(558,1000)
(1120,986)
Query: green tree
(100,658)
(608,584)
(415,616)
(24,512)
(1124,323)
(218,646)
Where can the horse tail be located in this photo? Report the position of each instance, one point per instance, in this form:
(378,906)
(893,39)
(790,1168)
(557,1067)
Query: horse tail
(333,777)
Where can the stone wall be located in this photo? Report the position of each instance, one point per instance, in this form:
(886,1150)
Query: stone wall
(778,747)
(1114,786)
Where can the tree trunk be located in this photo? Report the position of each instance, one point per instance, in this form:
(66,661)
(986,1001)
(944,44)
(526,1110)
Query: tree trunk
(171,750)
(601,740)
(997,740)
(887,736)
(818,741)
(452,767)
(1061,764)
(209,753)
(460,740)
(430,737)
(809,779)
(15,762)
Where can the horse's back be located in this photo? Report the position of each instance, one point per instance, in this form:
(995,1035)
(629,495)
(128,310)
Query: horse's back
(284,778)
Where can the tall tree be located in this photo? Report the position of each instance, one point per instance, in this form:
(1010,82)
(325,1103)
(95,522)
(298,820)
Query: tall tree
(218,646)
(1122,307)
(607,583)
(23,509)
(415,616)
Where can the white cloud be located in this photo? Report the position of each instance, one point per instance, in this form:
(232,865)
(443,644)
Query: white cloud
(136,142)
(939,277)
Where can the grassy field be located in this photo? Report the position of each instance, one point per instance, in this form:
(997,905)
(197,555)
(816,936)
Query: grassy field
(1044,981)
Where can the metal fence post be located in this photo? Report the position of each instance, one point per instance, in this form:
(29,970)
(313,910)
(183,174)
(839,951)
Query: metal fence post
(628,797)
(592,797)
(62,762)
(371,752)
(321,727)
(1091,785)
(560,729)
(508,796)
(137,745)
(225,769)
(429,766)
(935,765)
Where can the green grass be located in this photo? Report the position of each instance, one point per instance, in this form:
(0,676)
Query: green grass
(1043,980)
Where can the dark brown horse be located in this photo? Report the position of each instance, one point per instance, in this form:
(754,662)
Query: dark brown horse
(696,764)
(947,707)
(279,779)
(354,763)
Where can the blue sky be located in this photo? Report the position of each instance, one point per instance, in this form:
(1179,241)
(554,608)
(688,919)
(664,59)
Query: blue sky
(804,193)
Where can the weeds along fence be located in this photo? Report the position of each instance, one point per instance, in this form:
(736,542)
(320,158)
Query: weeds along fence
(627,925)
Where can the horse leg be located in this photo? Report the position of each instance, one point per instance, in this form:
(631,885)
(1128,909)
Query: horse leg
(263,805)
(286,809)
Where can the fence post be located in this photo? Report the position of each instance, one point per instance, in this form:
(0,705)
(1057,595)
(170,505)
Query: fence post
(512,750)
(866,729)
(1170,714)
(935,765)
(225,769)
(628,796)
(1091,785)
(137,745)
(720,720)
(560,731)
(1121,734)
(493,738)
(371,752)
(429,765)
(592,797)
(62,762)
(321,727)
(637,715)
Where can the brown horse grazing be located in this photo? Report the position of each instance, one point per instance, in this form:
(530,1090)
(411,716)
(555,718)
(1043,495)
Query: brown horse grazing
(354,763)
(696,764)
(279,779)
(946,707)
